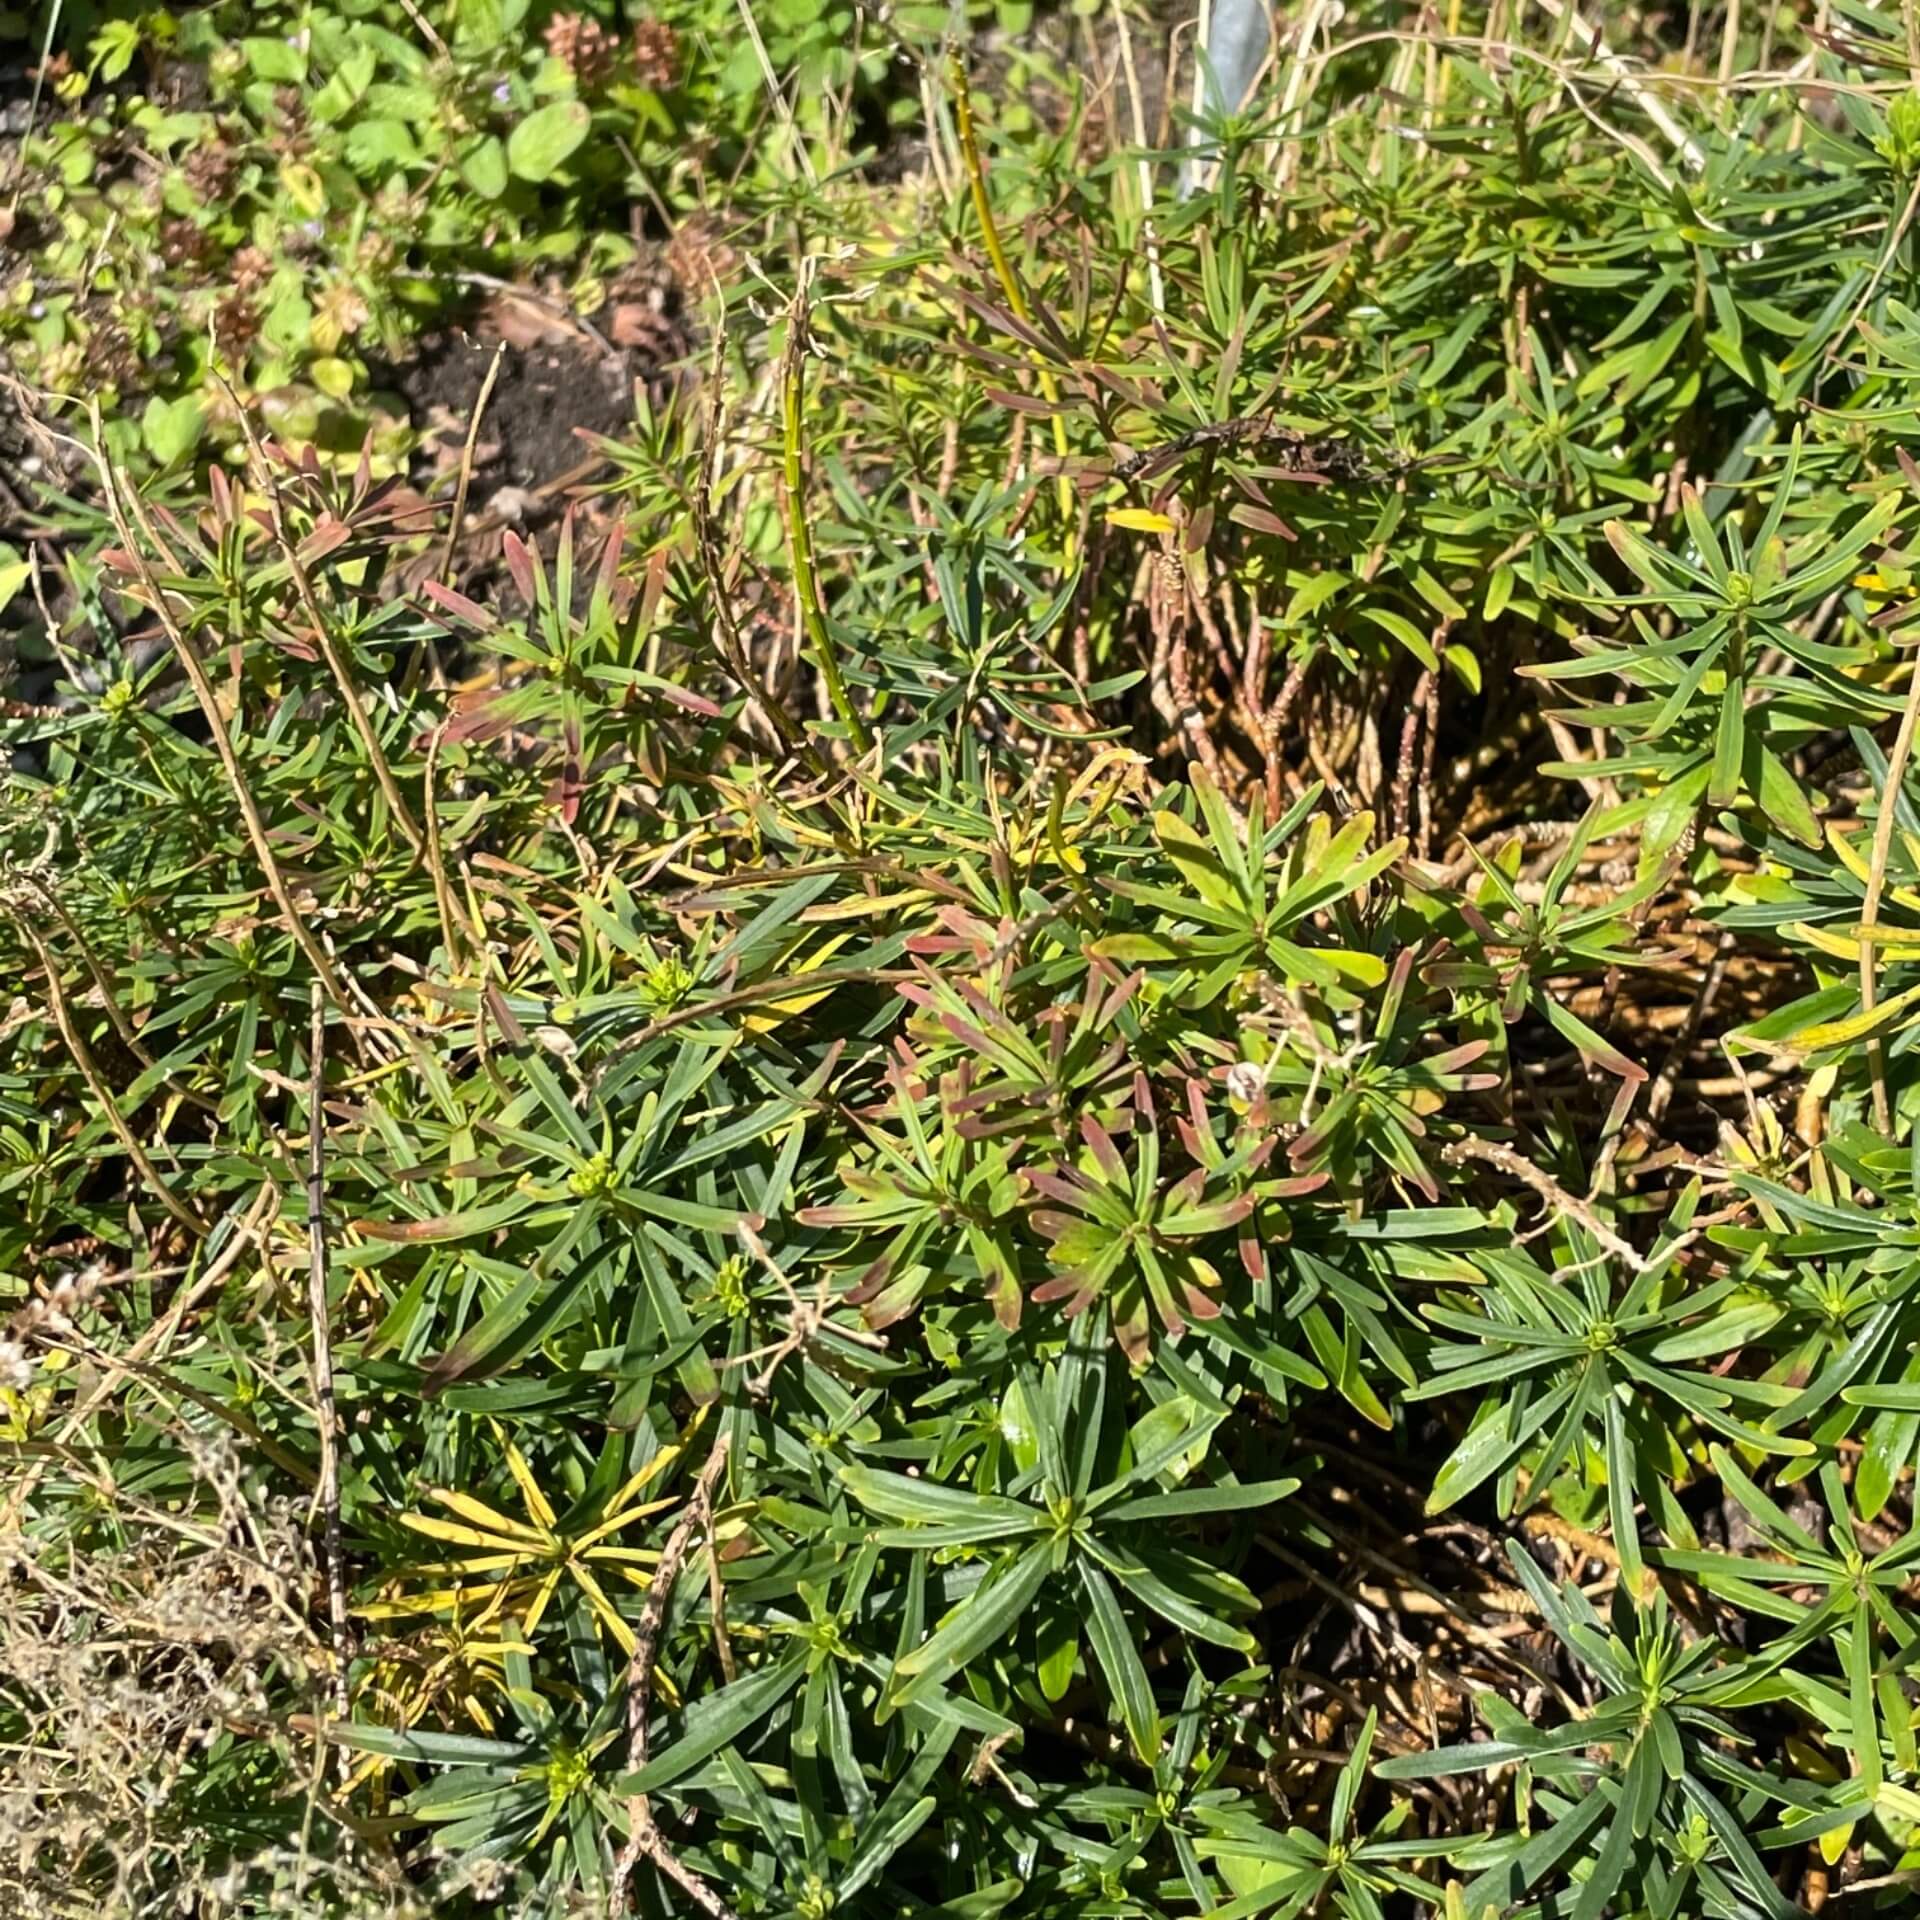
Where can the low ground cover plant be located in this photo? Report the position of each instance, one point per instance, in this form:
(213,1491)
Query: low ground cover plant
(934,988)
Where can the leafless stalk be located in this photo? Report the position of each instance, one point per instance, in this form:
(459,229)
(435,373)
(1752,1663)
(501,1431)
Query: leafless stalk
(326,1495)
(466,460)
(436,860)
(125,509)
(187,1215)
(1407,771)
(1660,1093)
(805,1319)
(644,1838)
(731,642)
(323,638)
(1518,1167)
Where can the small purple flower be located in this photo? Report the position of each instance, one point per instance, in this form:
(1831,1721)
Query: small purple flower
(502,93)
(313,229)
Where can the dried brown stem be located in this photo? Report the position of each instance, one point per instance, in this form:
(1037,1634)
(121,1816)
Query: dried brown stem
(1429,752)
(326,1493)
(1169,597)
(465,480)
(1406,771)
(1194,730)
(436,861)
(188,1216)
(644,1838)
(1517,1166)
(1660,1092)
(323,638)
(125,509)
(110,1004)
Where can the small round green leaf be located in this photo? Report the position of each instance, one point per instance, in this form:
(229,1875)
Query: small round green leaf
(543,142)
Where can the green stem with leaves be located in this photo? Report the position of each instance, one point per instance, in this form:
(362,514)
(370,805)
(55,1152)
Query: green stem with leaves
(1010,286)
(793,397)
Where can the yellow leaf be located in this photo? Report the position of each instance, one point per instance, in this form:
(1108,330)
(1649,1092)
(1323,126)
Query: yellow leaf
(1367,969)
(1849,857)
(770,1015)
(486,1563)
(651,1472)
(538,1505)
(1198,861)
(605,1610)
(333,377)
(303,186)
(861,906)
(1902,1802)
(614,1523)
(1139,520)
(776,1011)
(483,1515)
(1826,942)
(1840,1033)
(1126,767)
(1844,942)
(1071,858)
(530,1620)
(464,1536)
(435,1600)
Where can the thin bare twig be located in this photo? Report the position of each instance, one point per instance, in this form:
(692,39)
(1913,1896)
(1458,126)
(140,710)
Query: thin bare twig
(435,858)
(323,638)
(1406,773)
(1155,286)
(806,1319)
(125,509)
(732,643)
(1517,1166)
(109,1002)
(806,587)
(1429,754)
(1706,989)
(188,1216)
(466,461)
(326,1493)
(1897,233)
(249,1232)
(17,173)
(644,1838)
(75,672)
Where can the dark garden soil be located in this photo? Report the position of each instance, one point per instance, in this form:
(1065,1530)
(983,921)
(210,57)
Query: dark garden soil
(545,397)
(562,383)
